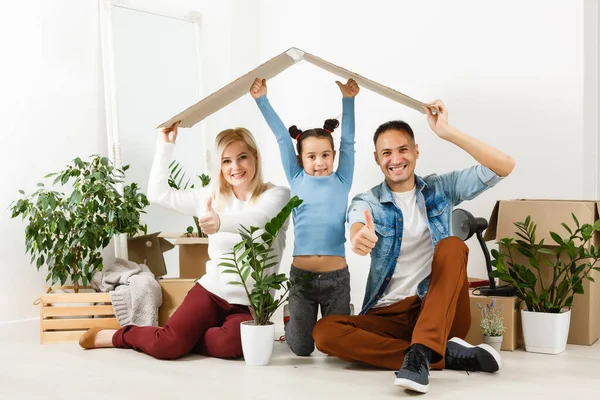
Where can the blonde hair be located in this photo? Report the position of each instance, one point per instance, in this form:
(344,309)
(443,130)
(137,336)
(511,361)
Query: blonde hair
(222,188)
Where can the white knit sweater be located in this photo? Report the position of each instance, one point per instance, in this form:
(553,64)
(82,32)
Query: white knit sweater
(232,213)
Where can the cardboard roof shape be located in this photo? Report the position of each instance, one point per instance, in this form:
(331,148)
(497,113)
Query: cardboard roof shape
(236,89)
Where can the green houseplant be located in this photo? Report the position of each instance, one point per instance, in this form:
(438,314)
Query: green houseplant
(176,177)
(546,278)
(569,259)
(66,231)
(251,260)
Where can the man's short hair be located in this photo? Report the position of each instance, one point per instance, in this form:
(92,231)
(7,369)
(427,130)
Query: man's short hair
(397,125)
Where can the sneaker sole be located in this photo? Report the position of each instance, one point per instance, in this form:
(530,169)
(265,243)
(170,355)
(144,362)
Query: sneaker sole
(411,385)
(484,346)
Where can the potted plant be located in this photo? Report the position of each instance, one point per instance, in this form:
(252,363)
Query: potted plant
(176,177)
(492,324)
(252,259)
(193,243)
(547,284)
(67,231)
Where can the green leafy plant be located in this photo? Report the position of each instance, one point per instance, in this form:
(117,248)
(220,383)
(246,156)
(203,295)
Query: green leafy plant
(492,322)
(569,260)
(176,177)
(252,258)
(66,232)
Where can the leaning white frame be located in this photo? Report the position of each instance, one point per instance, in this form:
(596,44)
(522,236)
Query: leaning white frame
(591,99)
(110,89)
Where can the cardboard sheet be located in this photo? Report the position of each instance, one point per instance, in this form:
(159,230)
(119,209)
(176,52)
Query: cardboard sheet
(236,89)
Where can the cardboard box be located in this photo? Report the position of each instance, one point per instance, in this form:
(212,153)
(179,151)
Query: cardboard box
(513,335)
(548,216)
(174,291)
(273,67)
(193,254)
(148,249)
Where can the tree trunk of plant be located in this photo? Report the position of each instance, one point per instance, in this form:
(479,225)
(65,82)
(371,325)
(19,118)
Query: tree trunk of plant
(76,270)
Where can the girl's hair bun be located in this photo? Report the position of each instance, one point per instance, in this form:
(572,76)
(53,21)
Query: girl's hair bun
(294,132)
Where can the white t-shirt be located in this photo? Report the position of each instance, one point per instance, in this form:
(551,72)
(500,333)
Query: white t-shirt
(416,253)
(232,213)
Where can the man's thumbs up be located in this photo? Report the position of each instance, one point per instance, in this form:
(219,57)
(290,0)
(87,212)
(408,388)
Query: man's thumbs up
(370,224)
(364,239)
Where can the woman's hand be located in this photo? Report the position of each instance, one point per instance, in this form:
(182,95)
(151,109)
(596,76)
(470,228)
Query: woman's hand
(169,135)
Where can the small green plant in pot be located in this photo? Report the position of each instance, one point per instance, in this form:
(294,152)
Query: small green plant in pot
(67,231)
(551,276)
(251,260)
(492,324)
(176,177)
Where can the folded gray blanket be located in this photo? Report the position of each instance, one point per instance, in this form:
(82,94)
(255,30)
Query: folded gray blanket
(134,292)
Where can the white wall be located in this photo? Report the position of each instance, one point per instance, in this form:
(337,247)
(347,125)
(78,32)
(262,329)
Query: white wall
(510,74)
(52,105)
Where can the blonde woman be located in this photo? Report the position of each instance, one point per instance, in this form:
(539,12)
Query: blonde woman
(208,321)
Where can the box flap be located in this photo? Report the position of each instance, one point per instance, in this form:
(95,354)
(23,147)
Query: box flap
(183,238)
(175,281)
(191,240)
(546,214)
(236,89)
(490,232)
(148,250)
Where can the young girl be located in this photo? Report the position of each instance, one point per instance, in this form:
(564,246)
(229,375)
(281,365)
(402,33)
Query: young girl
(319,223)
(208,321)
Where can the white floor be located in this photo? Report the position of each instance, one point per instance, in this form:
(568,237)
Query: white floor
(29,370)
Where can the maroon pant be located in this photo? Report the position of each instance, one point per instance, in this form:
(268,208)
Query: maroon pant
(203,324)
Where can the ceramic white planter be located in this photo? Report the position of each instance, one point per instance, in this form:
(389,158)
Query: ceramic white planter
(545,332)
(257,342)
(494,341)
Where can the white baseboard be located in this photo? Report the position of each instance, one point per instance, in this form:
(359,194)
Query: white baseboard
(17,321)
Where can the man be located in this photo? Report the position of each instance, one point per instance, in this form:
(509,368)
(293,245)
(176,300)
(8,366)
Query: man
(417,291)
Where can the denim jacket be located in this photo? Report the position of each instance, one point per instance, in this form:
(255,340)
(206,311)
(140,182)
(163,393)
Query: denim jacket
(436,197)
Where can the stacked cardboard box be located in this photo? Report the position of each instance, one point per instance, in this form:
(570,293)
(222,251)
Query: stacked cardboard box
(193,254)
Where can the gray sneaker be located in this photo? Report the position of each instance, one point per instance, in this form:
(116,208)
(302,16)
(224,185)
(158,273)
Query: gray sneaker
(414,374)
(463,356)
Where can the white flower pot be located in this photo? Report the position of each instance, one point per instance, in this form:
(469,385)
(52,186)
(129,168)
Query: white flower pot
(257,342)
(494,341)
(545,332)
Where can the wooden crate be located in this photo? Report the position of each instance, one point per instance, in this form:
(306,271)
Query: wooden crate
(64,321)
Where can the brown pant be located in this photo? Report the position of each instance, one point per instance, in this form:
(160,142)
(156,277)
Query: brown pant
(381,337)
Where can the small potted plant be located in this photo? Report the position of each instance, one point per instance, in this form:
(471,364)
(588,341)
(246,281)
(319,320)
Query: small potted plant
(492,324)
(252,258)
(67,231)
(193,243)
(176,177)
(548,280)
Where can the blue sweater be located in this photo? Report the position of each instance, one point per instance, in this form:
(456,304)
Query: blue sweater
(319,222)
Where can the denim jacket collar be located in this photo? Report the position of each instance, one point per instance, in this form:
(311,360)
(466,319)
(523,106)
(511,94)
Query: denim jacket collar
(385,196)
